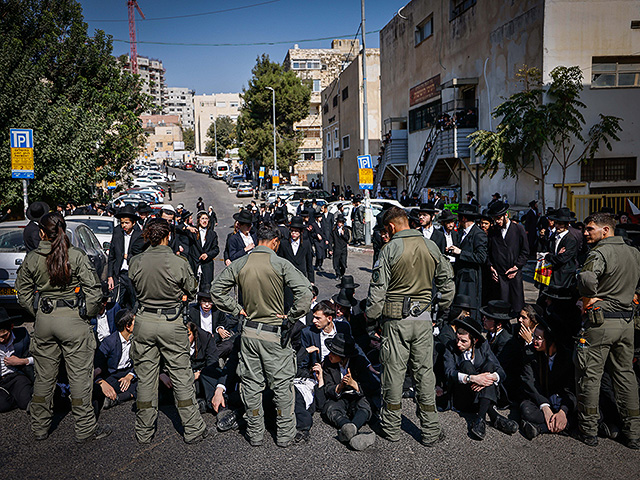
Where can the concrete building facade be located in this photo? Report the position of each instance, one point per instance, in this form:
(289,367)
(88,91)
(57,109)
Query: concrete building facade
(164,135)
(179,101)
(152,72)
(207,108)
(343,121)
(460,57)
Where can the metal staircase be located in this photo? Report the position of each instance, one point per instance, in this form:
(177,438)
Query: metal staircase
(426,163)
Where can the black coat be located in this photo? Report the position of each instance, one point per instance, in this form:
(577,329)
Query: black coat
(484,361)
(564,265)
(108,355)
(219,319)
(212,250)
(539,383)
(236,246)
(310,337)
(327,225)
(31,235)
(437,237)
(340,243)
(509,354)
(22,349)
(368,384)
(303,260)
(469,264)
(116,250)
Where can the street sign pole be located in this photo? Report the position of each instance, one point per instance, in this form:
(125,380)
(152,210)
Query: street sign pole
(21,140)
(365,127)
(25,197)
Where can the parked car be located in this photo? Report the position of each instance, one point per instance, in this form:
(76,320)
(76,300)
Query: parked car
(13,251)
(377,205)
(236,180)
(144,182)
(101,226)
(244,189)
(219,169)
(292,205)
(188,166)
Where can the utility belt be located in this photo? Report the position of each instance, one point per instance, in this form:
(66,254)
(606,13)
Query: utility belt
(595,316)
(169,312)
(264,327)
(47,305)
(406,308)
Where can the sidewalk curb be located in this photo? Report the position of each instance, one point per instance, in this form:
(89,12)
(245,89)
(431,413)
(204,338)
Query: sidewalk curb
(365,249)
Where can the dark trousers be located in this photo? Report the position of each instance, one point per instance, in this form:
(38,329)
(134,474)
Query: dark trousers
(355,410)
(340,262)
(304,416)
(15,391)
(206,277)
(530,412)
(511,290)
(465,399)
(128,394)
(127,295)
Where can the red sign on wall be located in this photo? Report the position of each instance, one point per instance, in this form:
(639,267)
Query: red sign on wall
(424,91)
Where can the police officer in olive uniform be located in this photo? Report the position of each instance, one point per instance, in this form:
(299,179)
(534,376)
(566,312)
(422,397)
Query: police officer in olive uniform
(50,283)
(265,360)
(408,267)
(608,283)
(161,279)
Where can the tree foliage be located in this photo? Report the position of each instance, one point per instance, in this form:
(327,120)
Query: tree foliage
(189,138)
(255,125)
(67,87)
(541,126)
(224,130)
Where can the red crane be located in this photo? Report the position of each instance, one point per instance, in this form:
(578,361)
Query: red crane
(131,4)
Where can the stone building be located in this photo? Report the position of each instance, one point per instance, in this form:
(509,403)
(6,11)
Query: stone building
(164,135)
(179,101)
(460,57)
(207,108)
(152,72)
(342,121)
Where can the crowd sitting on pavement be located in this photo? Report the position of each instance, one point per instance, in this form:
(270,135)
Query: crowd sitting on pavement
(495,358)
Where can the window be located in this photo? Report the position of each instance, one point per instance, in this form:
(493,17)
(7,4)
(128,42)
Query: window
(458,7)
(345,142)
(158,144)
(328,138)
(611,72)
(325,108)
(306,64)
(211,117)
(168,132)
(609,169)
(424,117)
(233,104)
(345,93)
(317,86)
(335,101)
(221,104)
(335,134)
(424,30)
(328,153)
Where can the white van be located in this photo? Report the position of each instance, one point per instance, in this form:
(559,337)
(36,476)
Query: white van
(220,168)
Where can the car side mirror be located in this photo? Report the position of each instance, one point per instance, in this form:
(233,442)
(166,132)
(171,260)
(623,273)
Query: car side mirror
(106,246)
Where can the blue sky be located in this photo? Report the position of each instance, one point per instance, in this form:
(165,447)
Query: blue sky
(209,69)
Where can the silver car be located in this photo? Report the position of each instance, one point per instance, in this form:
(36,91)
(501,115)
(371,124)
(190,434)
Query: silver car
(101,226)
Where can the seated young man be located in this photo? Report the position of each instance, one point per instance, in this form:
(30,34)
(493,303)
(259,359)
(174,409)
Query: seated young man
(548,379)
(16,371)
(474,374)
(104,322)
(215,322)
(345,382)
(114,368)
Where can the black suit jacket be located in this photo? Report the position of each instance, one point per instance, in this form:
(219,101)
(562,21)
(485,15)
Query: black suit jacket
(484,360)
(109,354)
(340,243)
(310,337)
(116,250)
(511,250)
(303,260)
(236,246)
(210,246)
(437,237)
(368,384)
(564,265)
(539,383)
(218,319)
(327,225)
(22,349)
(469,264)
(31,236)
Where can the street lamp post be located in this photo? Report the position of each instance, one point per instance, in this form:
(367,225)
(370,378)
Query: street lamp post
(275,156)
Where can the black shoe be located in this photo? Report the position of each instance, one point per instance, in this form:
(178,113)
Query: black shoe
(608,431)
(633,444)
(286,444)
(347,432)
(362,441)
(589,440)
(202,405)
(302,436)
(101,431)
(227,420)
(529,430)
(206,433)
(505,425)
(433,443)
(108,403)
(478,429)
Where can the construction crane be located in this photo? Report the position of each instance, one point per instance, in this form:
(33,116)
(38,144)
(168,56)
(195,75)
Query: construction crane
(131,4)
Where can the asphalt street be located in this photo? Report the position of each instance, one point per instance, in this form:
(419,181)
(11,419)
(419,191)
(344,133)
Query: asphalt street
(228,455)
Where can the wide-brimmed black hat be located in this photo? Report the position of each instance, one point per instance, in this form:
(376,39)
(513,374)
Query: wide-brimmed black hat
(296,222)
(497,209)
(470,325)
(317,214)
(470,193)
(428,207)
(497,195)
(206,295)
(562,215)
(347,282)
(243,216)
(340,218)
(37,210)
(446,216)
(497,310)
(468,210)
(533,203)
(342,345)
(343,299)
(379,226)
(307,213)
(143,207)
(558,293)
(357,198)
(6,319)
(128,212)
(464,302)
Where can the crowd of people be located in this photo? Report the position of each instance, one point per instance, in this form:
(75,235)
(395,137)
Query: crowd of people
(444,322)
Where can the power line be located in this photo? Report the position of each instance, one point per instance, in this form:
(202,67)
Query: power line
(192,14)
(279,42)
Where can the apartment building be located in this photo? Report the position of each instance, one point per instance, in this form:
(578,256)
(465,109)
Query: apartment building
(179,101)
(152,72)
(164,135)
(207,108)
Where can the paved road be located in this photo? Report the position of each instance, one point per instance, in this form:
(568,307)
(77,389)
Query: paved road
(229,455)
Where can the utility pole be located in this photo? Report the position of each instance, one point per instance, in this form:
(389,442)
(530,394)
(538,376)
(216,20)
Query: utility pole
(365,127)
(275,157)
(215,137)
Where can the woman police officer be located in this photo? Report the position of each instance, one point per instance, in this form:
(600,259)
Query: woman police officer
(160,279)
(48,285)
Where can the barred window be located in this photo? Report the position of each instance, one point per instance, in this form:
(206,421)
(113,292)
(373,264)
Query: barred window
(609,169)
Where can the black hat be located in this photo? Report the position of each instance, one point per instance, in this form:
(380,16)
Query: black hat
(470,325)
(128,212)
(485,215)
(468,210)
(538,311)
(464,302)
(317,214)
(379,226)
(296,222)
(342,345)
(244,216)
(533,203)
(558,293)
(315,290)
(446,216)
(340,218)
(306,213)
(347,282)
(497,310)
(5,319)
(143,207)
(204,295)
(428,207)
(357,199)
(37,210)
(497,195)
(343,300)
(497,209)
(470,193)
(562,215)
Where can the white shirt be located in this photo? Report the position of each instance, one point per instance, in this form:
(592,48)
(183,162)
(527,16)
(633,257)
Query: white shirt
(462,377)
(504,229)
(203,236)
(246,239)
(465,232)
(192,349)
(295,246)
(324,351)
(206,321)
(8,350)
(558,238)
(102,328)
(449,243)
(127,242)
(427,232)
(125,359)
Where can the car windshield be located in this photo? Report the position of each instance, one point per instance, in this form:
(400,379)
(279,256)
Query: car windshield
(99,227)
(11,239)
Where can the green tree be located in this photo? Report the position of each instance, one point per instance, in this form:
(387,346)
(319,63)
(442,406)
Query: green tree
(541,126)
(189,138)
(224,130)
(255,127)
(67,87)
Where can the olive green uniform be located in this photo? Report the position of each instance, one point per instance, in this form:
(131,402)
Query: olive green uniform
(61,334)
(160,279)
(408,266)
(612,273)
(262,276)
